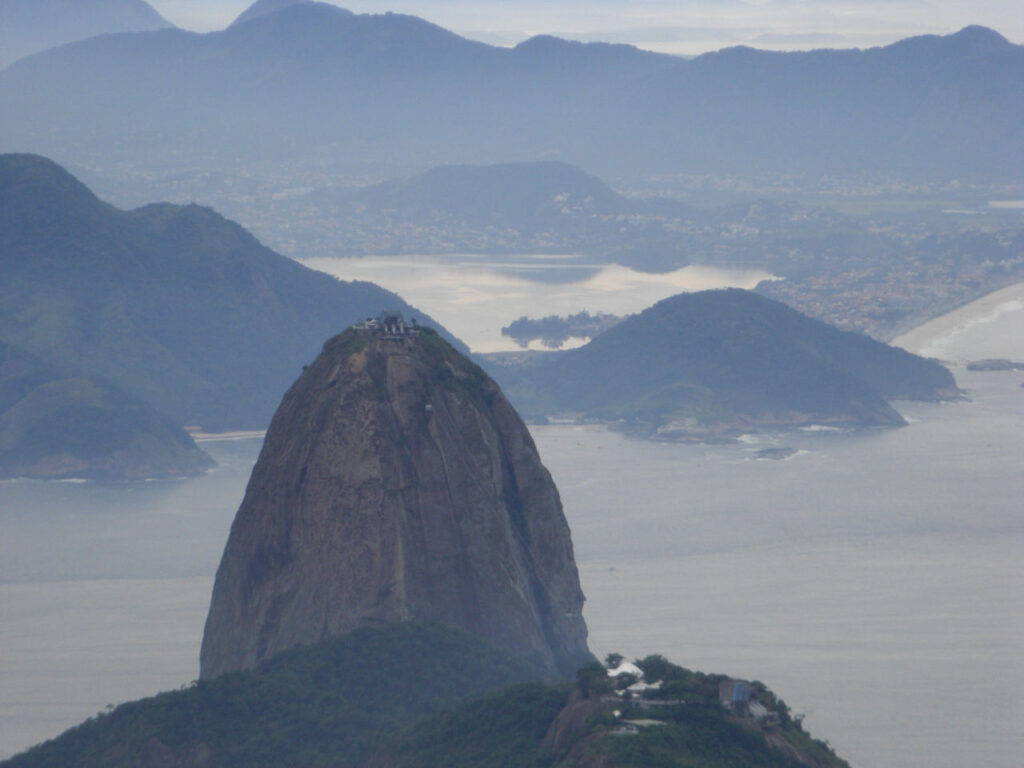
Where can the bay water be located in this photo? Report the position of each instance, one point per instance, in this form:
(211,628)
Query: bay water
(474,295)
(872,579)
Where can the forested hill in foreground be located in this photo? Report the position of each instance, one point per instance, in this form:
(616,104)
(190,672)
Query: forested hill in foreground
(718,362)
(416,696)
(174,304)
(311,81)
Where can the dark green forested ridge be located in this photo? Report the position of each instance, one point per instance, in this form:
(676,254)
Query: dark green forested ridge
(325,705)
(727,359)
(413,695)
(175,304)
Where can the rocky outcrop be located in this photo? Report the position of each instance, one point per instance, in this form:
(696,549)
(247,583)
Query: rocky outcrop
(396,483)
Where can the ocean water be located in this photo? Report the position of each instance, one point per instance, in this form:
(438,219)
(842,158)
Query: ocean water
(872,579)
(475,295)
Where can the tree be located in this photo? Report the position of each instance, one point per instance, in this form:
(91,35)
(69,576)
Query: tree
(592,680)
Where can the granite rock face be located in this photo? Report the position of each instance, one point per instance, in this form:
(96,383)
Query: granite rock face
(396,483)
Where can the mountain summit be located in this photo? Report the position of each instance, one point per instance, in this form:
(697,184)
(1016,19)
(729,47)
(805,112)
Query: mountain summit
(396,483)
(265,8)
(177,305)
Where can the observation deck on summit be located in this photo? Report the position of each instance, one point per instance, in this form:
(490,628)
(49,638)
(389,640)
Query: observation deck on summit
(389,325)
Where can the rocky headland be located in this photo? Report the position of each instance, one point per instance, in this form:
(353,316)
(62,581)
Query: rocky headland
(396,483)
(711,365)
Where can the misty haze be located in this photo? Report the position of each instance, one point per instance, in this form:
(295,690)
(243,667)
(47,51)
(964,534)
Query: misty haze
(536,385)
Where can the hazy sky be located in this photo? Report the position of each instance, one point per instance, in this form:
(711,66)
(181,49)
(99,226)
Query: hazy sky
(678,26)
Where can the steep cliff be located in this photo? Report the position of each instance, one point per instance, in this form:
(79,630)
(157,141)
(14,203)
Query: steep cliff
(396,483)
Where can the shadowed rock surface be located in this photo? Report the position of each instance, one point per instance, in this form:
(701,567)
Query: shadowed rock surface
(396,483)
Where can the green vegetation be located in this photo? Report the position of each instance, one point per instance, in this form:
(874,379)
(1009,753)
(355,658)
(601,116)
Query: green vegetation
(331,704)
(453,370)
(504,730)
(694,729)
(421,696)
(525,727)
(690,737)
(592,680)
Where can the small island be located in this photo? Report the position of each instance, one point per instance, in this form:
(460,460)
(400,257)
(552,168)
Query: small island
(553,330)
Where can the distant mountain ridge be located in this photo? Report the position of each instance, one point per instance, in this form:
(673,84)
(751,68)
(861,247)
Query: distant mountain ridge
(478,193)
(525,200)
(29,26)
(311,80)
(175,304)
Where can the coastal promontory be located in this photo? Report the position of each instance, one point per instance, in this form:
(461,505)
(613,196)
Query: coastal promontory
(712,364)
(396,483)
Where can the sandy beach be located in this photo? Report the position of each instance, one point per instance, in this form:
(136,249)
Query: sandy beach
(992,326)
(205,437)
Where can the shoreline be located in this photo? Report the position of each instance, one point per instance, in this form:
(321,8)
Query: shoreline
(242,434)
(944,337)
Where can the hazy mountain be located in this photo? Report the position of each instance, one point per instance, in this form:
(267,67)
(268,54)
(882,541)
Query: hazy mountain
(311,81)
(523,194)
(720,361)
(263,7)
(530,207)
(173,303)
(335,703)
(28,26)
(928,107)
(53,425)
